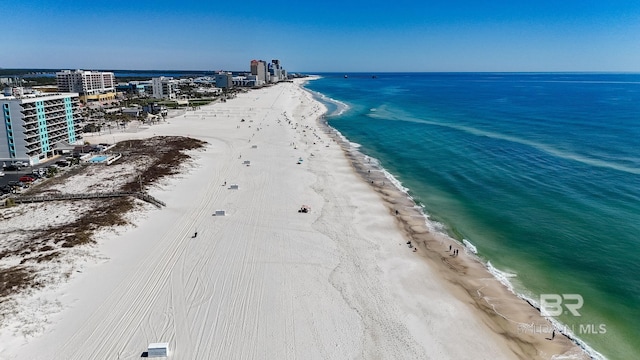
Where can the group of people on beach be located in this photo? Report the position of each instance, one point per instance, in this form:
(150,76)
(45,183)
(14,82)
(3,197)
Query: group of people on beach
(455,251)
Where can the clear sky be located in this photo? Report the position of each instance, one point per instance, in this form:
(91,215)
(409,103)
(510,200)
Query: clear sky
(323,36)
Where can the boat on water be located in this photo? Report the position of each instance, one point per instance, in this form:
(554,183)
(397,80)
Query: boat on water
(345,76)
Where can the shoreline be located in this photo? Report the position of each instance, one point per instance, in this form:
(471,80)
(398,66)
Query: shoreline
(335,282)
(516,321)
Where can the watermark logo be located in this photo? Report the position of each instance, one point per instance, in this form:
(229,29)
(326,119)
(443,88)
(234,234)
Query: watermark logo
(554,304)
(548,329)
(561,304)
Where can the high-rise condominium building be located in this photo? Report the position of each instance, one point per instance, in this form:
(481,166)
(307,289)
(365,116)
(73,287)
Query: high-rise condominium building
(34,124)
(259,68)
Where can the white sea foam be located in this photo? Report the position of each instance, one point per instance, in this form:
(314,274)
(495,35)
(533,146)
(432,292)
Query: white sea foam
(352,144)
(341,107)
(502,276)
(470,246)
(435,226)
(432,225)
(397,183)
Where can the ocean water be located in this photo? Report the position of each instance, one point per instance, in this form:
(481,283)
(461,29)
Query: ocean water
(540,172)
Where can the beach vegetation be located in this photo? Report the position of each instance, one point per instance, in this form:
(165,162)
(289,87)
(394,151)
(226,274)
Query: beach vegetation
(92,127)
(162,156)
(200,102)
(13,279)
(52,171)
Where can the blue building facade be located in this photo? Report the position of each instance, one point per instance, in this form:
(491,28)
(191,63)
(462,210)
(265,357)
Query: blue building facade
(35,124)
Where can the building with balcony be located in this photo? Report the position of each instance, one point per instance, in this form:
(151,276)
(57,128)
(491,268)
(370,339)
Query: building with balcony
(164,87)
(33,125)
(85,82)
(91,85)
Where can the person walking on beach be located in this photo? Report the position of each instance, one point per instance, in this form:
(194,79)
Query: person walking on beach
(449,248)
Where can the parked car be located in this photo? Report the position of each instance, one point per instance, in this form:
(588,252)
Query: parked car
(11,168)
(27,179)
(5,189)
(20,164)
(62,163)
(1,174)
(15,183)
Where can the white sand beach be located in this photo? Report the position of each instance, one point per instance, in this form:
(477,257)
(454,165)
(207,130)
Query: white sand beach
(264,281)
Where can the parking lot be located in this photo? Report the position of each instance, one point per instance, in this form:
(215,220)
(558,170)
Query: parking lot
(15,175)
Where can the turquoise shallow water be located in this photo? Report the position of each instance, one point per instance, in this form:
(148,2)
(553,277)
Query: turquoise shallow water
(541,172)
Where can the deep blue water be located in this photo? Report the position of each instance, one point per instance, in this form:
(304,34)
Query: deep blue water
(541,172)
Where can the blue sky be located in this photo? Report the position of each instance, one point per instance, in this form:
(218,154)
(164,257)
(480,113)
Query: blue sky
(323,36)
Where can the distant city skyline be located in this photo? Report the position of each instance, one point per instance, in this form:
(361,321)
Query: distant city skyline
(330,36)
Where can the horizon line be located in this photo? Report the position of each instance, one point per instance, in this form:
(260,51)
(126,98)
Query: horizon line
(359,72)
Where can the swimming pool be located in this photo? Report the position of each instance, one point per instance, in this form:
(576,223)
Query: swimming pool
(98,159)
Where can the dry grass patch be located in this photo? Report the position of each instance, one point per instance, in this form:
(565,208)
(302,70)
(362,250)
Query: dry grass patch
(148,159)
(15,279)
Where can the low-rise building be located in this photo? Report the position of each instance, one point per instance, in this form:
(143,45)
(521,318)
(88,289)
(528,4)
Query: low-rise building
(136,87)
(243,81)
(132,111)
(156,109)
(210,91)
(164,87)
(105,97)
(224,80)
